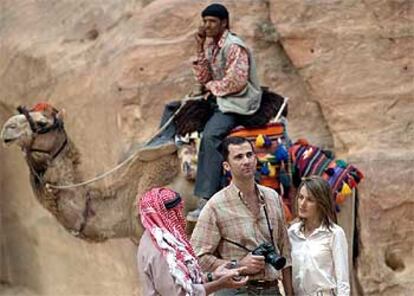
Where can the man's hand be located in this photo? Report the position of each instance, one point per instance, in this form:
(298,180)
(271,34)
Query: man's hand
(254,264)
(206,95)
(230,278)
(200,38)
(224,269)
(220,271)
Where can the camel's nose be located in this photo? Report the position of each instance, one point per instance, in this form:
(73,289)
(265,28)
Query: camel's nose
(9,128)
(7,133)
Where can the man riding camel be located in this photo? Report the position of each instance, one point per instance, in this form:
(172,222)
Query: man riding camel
(227,72)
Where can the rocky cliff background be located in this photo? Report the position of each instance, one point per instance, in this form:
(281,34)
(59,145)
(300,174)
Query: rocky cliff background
(347,67)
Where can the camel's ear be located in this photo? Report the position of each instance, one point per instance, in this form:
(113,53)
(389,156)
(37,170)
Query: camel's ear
(61,114)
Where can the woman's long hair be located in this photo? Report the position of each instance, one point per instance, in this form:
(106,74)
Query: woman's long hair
(322,193)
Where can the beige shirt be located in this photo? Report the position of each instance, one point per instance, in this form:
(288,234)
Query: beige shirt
(226,216)
(154,272)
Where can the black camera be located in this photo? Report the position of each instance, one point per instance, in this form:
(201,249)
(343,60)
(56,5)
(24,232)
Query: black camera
(271,256)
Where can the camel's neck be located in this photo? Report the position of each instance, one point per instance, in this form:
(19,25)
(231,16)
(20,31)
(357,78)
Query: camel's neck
(103,209)
(90,212)
(54,169)
(43,151)
(62,166)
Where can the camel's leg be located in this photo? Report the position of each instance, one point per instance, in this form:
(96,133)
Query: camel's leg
(4,258)
(346,219)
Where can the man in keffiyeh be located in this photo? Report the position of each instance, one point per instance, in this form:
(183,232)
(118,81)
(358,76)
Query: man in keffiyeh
(166,260)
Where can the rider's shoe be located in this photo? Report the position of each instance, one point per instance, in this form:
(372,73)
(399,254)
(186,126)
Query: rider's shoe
(157,148)
(193,215)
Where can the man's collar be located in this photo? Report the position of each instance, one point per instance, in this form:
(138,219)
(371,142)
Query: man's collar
(240,194)
(222,39)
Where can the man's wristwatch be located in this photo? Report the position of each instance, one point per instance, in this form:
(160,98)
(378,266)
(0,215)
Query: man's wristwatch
(210,277)
(234,264)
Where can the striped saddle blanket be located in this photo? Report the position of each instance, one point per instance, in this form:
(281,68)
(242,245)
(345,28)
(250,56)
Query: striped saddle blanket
(281,165)
(310,160)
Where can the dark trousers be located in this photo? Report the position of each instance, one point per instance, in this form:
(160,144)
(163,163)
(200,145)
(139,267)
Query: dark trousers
(169,132)
(209,177)
(249,291)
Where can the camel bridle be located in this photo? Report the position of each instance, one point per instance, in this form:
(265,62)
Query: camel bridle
(37,128)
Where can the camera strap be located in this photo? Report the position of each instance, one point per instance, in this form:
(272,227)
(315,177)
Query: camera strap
(269,226)
(237,244)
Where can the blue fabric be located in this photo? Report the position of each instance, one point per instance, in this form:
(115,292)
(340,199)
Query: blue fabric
(209,177)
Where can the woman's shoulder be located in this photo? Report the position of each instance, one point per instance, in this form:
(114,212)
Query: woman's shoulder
(337,230)
(294,227)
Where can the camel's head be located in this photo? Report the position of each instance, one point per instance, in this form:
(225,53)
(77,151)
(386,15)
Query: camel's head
(23,129)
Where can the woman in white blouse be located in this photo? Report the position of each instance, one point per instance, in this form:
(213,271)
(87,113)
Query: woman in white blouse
(319,247)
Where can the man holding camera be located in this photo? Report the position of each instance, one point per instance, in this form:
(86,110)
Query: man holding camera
(243,225)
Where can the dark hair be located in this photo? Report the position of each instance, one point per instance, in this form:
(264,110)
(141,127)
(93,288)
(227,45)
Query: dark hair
(322,193)
(234,140)
(217,10)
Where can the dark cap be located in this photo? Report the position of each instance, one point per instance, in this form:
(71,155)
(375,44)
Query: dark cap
(217,10)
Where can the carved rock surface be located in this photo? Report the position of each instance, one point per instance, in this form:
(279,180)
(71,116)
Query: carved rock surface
(346,66)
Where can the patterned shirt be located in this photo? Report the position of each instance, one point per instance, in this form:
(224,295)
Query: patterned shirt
(227,217)
(234,75)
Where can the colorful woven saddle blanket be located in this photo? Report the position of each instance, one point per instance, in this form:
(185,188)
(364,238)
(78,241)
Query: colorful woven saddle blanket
(282,165)
(271,144)
(310,160)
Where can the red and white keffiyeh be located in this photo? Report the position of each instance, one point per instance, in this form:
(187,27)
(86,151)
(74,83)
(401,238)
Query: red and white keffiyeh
(167,229)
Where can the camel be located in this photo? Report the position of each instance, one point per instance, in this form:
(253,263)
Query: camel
(92,212)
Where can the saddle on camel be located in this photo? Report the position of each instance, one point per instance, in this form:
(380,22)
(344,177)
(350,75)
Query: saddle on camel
(194,113)
(281,163)
(248,105)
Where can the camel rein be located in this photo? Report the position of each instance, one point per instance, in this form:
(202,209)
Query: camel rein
(131,157)
(123,163)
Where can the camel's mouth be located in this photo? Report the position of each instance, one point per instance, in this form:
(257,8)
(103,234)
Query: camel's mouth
(8,142)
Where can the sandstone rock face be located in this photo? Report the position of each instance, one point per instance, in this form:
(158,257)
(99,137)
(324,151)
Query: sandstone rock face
(347,67)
